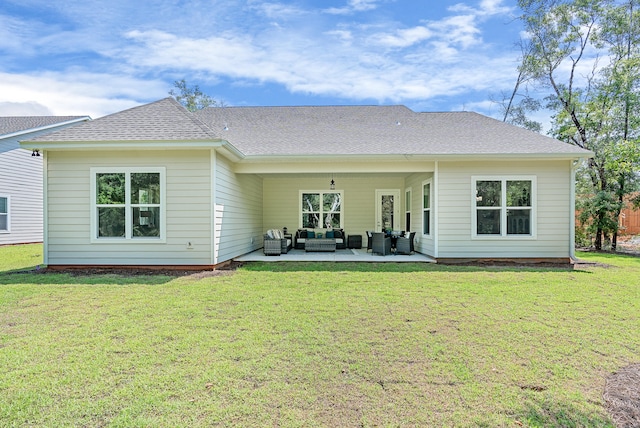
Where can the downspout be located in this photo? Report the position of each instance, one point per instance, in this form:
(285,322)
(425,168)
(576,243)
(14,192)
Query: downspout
(214,249)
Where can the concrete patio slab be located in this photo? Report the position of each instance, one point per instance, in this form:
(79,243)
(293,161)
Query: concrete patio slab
(348,255)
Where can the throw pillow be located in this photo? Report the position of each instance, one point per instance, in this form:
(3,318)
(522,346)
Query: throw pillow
(330,234)
(311,234)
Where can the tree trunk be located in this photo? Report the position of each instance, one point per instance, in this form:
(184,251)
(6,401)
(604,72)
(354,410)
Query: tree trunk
(598,243)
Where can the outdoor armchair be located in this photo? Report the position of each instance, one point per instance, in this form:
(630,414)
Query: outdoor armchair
(380,244)
(404,244)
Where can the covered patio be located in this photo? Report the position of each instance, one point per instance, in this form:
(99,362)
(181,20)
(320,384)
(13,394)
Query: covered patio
(347,255)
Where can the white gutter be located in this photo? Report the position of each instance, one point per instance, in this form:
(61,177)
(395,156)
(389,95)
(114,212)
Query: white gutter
(133,145)
(344,158)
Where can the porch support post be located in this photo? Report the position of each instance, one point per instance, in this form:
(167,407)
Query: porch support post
(45,210)
(436,223)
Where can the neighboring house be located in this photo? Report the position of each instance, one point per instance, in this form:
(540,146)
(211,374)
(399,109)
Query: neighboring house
(21,176)
(157,185)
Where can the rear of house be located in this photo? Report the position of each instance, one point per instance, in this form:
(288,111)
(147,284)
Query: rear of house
(159,186)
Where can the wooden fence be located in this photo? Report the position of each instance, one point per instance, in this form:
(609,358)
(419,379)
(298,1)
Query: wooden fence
(630,222)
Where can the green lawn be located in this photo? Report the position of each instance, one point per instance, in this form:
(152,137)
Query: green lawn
(306,345)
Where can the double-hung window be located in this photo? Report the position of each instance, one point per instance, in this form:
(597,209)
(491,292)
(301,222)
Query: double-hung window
(128,204)
(4,214)
(407,209)
(426,208)
(321,209)
(504,206)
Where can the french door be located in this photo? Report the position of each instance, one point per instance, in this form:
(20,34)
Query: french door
(388,209)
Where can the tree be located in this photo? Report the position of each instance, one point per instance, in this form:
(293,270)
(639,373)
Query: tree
(191,97)
(594,98)
(514,111)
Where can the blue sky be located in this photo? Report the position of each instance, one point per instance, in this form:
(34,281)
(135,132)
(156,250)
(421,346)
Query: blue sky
(97,57)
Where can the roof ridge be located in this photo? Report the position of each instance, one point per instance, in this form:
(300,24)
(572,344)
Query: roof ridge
(39,116)
(203,126)
(313,107)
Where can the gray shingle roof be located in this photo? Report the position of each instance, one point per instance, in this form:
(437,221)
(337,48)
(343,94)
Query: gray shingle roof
(376,130)
(324,130)
(163,120)
(13,124)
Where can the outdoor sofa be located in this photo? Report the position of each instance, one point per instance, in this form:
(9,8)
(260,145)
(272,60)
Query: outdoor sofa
(303,235)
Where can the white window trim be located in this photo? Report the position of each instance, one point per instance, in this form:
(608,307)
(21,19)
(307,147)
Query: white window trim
(8,214)
(321,192)
(407,205)
(503,208)
(129,239)
(422,208)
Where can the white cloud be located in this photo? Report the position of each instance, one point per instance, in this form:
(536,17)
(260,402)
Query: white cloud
(76,93)
(279,10)
(29,108)
(461,30)
(252,43)
(353,6)
(487,8)
(349,70)
(344,35)
(404,37)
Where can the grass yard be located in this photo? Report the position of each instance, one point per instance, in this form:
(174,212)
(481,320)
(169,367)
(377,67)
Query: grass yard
(307,345)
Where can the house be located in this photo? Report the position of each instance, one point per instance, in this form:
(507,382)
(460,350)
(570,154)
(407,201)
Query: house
(21,176)
(158,185)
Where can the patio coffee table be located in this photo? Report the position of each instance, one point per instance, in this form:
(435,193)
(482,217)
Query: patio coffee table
(320,244)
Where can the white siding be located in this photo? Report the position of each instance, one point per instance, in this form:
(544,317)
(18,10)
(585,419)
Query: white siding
(238,211)
(188,194)
(424,244)
(553,211)
(21,179)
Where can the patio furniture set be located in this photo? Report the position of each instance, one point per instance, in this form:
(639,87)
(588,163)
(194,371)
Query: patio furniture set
(385,243)
(277,242)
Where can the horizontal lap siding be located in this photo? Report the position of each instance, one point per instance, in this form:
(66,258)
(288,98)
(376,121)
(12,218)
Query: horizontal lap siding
(553,211)
(238,211)
(21,180)
(188,204)
(425,243)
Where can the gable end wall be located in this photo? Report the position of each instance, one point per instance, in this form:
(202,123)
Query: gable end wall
(553,211)
(188,204)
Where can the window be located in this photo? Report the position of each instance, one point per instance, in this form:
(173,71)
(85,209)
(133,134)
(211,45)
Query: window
(128,204)
(4,214)
(426,208)
(407,209)
(504,207)
(321,209)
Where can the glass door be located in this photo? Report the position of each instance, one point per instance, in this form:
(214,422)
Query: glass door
(388,210)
